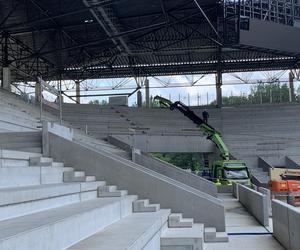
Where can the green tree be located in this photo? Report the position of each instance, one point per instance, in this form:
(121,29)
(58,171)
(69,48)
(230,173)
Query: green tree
(262,93)
(191,161)
(267,93)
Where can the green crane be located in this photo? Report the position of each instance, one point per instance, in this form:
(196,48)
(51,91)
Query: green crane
(226,170)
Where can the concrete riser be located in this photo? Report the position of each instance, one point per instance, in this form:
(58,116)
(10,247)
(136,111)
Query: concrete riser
(66,231)
(30,207)
(16,177)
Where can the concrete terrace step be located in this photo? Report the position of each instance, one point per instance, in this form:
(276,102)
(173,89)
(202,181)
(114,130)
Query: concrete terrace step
(90,178)
(13,158)
(145,230)
(211,235)
(176,220)
(183,238)
(27,200)
(57,164)
(16,177)
(9,196)
(62,227)
(40,161)
(74,176)
(110,191)
(19,155)
(141,206)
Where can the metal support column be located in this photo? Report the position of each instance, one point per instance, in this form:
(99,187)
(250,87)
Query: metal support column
(147,93)
(60,101)
(6,73)
(219,79)
(6,81)
(139,99)
(219,88)
(291,87)
(38,92)
(77,85)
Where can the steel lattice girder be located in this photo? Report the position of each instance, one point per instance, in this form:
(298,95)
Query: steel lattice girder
(81,39)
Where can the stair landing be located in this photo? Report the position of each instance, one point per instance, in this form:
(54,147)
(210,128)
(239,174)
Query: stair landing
(241,226)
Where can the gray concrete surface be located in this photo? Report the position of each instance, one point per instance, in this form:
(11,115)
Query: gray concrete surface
(293,161)
(37,231)
(141,181)
(123,235)
(183,238)
(267,192)
(235,190)
(176,173)
(256,203)
(21,141)
(286,224)
(242,224)
(167,143)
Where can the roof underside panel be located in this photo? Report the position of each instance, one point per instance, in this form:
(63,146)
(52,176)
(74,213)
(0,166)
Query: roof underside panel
(79,39)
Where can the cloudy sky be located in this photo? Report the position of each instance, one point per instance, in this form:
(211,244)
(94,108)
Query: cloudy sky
(202,92)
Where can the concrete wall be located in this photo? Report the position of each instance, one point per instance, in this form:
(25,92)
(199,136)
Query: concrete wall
(292,161)
(255,203)
(286,224)
(165,143)
(141,181)
(176,173)
(266,192)
(235,190)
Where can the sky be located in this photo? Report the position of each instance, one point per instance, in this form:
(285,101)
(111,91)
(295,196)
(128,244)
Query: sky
(202,92)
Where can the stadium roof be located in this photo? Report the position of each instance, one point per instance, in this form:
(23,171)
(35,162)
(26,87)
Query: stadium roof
(84,39)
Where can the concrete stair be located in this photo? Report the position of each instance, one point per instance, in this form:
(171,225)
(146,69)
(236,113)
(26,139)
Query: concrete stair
(211,235)
(45,205)
(13,158)
(74,176)
(62,227)
(40,161)
(175,220)
(21,176)
(18,201)
(136,231)
(183,238)
(142,206)
(110,191)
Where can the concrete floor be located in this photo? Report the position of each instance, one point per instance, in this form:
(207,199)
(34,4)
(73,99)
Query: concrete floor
(239,221)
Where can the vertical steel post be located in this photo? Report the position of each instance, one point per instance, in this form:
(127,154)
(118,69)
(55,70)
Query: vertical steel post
(291,87)
(60,102)
(147,90)
(77,86)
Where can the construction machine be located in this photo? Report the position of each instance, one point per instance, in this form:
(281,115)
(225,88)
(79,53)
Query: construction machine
(225,170)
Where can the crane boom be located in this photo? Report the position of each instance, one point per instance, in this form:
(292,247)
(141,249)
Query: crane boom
(211,133)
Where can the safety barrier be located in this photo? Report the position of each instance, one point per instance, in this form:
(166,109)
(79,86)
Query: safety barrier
(255,203)
(286,224)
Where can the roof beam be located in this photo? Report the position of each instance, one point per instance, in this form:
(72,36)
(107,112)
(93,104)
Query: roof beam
(108,25)
(70,13)
(207,19)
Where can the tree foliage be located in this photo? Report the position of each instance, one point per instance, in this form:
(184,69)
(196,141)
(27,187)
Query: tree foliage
(262,93)
(183,160)
(273,93)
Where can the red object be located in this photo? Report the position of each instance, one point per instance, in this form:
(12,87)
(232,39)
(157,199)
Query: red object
(297,199)
(278,186)
(293,185)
